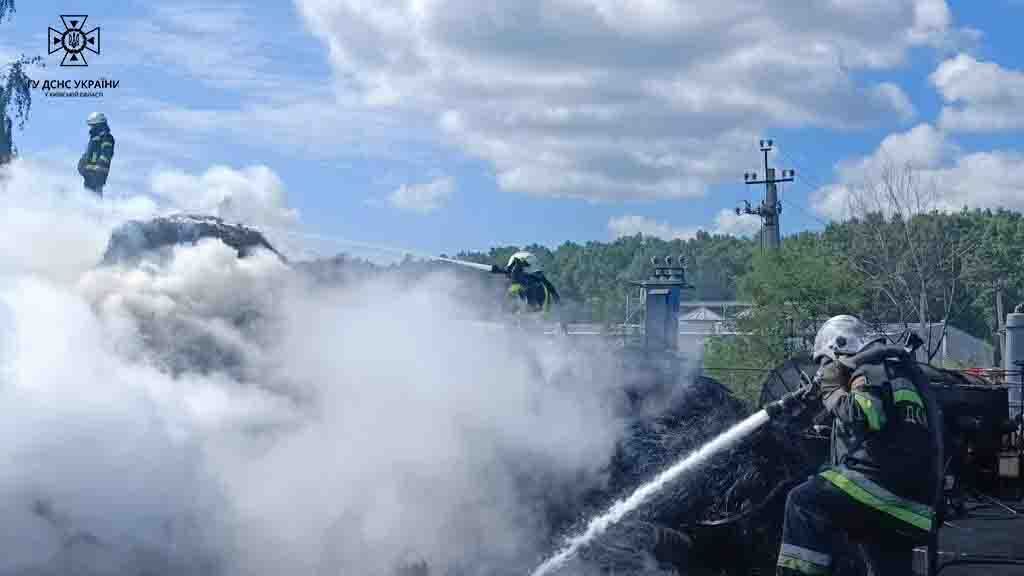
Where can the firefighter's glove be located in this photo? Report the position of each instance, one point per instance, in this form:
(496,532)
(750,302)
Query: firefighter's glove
(811,390)
(789,406)
(834,379)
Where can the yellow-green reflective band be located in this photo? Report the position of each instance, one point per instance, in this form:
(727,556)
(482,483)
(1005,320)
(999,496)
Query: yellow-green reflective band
(111,144)
(801,566)
(812,556)
(875,417)
(908,396)
(871,494)
(515,289)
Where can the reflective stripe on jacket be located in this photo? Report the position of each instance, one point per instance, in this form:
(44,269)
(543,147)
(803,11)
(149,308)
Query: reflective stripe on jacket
(881,448)
(867,492)
(535,289)
(99,155)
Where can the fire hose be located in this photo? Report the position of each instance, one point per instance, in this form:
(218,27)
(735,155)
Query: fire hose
(794,404)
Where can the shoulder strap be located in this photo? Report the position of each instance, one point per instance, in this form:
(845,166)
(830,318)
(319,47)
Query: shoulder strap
(876,374)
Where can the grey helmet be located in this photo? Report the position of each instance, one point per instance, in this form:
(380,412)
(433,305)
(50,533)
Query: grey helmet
(842,335)
(96,119)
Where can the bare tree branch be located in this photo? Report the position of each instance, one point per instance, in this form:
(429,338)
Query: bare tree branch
(913,262)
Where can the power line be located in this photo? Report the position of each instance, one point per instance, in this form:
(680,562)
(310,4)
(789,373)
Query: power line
(803,171)
(810,186)
(806,212)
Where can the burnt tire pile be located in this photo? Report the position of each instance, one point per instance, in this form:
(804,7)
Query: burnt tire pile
(135,239)
(723,519)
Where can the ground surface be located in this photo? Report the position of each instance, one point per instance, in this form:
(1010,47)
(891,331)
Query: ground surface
(986,530)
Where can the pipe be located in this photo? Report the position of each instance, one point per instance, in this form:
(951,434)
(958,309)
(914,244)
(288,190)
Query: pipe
(1013,352)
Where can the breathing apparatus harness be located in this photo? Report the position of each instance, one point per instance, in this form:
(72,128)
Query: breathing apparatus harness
(793,405)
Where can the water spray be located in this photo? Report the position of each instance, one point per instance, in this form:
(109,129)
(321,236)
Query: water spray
(379,248)
(789,406)
(620,509)
(473,265)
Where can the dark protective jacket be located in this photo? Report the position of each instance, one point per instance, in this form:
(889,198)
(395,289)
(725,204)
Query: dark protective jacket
(94,165)
(881,448)
(535,289)
(531,287)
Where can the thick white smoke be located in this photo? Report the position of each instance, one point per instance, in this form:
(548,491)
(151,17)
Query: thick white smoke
(207,414)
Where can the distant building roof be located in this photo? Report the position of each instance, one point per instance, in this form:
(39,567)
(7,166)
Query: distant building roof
(701,313)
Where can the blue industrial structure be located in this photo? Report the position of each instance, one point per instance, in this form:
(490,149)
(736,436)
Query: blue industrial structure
(662,295)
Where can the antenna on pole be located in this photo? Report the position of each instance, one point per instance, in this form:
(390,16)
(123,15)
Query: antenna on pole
(770,207)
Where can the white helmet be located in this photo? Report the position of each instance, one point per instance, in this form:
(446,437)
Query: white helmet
(842,335)
(96,118)
(528,260)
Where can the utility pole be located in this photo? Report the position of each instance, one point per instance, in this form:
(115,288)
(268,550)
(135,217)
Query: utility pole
(770,207)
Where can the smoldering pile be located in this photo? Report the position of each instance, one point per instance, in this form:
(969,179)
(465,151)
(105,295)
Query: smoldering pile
(308,429)
(298,426)
(698,524)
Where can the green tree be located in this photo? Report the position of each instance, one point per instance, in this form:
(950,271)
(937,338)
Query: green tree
(15,94)
(6,8)
(994,274)
(16,99)
(792,291)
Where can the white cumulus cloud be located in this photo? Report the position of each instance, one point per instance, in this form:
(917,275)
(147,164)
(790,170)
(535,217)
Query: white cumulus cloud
(631,225)
(729,222)
(423,198)
(980,96)
(610,100)
(726,222)
(949,177)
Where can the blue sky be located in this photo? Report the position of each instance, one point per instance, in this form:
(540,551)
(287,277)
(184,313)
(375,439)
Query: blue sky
(440,125)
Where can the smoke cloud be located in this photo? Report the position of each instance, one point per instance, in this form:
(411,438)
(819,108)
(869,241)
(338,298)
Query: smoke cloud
(204,414)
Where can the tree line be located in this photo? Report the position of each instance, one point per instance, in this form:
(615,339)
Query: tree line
(892,263)
(900,257)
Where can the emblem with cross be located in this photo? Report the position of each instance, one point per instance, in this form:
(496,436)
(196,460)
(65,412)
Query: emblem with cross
(74,40)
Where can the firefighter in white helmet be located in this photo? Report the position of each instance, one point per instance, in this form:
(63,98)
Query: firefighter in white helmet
(528,284)
(94,166)
(880,484)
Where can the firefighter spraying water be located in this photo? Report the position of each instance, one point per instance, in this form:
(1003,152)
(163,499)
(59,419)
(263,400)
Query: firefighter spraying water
(882,481)
(527,284)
